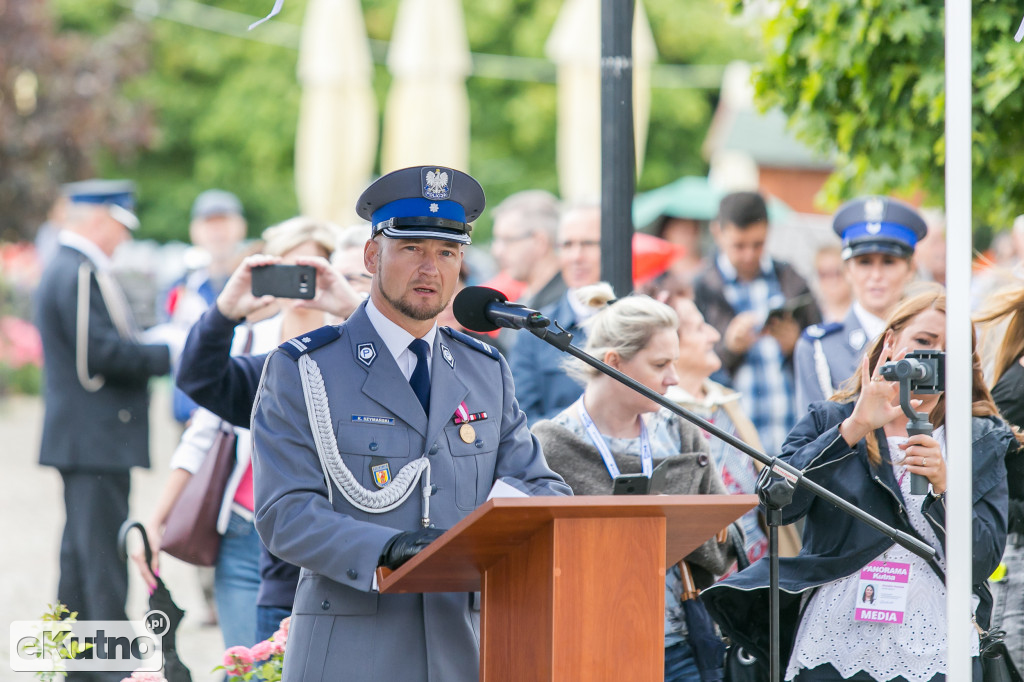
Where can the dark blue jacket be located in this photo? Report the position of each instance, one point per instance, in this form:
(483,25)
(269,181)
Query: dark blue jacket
(543,389)
(226,385)
(835,544)
(106,429)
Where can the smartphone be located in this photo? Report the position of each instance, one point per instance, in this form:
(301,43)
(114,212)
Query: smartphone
(284,281)
(638,484)
(789,308)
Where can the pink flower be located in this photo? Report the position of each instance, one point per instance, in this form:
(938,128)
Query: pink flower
(139,676)
(262,651)
(281,636)
(238,660)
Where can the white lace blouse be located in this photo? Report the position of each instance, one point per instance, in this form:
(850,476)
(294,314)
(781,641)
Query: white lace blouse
(914,649)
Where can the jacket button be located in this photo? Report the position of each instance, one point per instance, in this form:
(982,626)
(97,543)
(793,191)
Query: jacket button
(479,443)
(324,605)
(702,460)
(374,446)
(124,415)
(352,574)
(433,449)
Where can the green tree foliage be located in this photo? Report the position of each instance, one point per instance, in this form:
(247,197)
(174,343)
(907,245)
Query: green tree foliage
(61,108)
(226,107)
(866,78)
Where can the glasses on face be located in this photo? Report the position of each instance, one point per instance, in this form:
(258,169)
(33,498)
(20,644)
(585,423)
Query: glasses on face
(580,244)
(830,274)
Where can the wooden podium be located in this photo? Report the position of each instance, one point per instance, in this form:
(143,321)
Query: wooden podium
(573,587)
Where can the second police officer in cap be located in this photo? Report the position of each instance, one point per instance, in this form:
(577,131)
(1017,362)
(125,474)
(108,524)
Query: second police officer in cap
(879,235)
(373,436)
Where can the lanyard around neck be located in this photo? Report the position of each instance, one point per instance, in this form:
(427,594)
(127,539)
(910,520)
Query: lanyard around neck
(646,459)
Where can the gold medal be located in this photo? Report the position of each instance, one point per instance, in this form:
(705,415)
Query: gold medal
(467,433)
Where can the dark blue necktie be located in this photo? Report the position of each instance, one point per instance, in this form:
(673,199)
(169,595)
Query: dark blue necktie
(420,379)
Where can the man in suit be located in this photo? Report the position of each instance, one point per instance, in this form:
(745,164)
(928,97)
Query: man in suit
(542,385)
(413,424)
(879,235)
(96,424)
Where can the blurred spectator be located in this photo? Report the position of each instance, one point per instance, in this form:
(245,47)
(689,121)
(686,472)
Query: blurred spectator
(237,574)
(611,429)
(524,245)
(879,266)
(348,258)
(1003,314)
(96,423)
(930,254)
(542,386)
(720,406)
(835,295)
(216,230)
(857,444)
(735,293)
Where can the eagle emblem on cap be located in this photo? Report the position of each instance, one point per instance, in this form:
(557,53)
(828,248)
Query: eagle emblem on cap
(874,210)
(435,184)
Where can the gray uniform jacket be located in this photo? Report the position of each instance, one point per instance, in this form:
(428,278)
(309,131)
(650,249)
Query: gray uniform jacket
(102,424)
(826,355)
(341,628)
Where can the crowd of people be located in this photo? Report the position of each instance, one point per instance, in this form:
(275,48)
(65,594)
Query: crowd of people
(365,428)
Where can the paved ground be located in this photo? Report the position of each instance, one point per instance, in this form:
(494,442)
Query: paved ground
(32,516)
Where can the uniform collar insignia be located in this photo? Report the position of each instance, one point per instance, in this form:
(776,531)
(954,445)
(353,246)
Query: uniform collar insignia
(447,355)
(857,338)
(367,353)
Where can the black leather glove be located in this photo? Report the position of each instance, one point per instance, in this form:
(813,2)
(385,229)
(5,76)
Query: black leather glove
(406,545)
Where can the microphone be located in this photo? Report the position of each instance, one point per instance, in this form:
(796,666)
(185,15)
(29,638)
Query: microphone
(481,309)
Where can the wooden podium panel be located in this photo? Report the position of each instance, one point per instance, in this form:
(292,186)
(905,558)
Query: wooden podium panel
(573,587)
(455,562)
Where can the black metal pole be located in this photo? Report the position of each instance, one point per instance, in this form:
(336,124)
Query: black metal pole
(618,156)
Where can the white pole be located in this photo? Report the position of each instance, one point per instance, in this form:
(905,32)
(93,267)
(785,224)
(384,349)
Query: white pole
(958,337)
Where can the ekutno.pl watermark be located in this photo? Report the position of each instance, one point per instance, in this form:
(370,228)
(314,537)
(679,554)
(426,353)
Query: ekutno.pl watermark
(89,645)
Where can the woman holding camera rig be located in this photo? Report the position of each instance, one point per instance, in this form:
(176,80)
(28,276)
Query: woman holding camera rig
(612,429)
(856,445)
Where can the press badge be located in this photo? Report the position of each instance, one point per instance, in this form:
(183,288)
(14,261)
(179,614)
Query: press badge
(882,592)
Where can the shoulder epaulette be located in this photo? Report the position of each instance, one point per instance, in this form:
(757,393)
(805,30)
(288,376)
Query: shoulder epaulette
(820,331)
(305,343)
(472,342)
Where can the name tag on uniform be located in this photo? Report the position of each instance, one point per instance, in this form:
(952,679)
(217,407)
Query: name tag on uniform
(365,419)
(882,592)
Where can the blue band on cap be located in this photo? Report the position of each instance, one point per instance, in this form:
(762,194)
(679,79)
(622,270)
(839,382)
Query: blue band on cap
(418,206)
(890,231)
(125,200)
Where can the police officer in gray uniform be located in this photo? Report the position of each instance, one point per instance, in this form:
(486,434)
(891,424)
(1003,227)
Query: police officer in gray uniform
(373,436)
(878,235)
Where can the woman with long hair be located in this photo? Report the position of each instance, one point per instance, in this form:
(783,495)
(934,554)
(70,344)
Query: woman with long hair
(857,446)
(1003,314)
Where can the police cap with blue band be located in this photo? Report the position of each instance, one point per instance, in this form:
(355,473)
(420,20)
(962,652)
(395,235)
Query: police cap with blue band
(423,202)
(117,195)
(878,225)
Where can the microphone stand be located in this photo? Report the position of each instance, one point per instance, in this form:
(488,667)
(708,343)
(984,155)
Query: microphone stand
(776,485)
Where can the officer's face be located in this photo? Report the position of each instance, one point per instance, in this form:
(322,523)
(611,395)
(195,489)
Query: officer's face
(413,278)
(878,280)
(108,232)
(744,247)
(653,366)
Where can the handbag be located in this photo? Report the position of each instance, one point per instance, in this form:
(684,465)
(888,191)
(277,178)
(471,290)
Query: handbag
(190,533)
(708,648)
(739,665)
(996,664)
